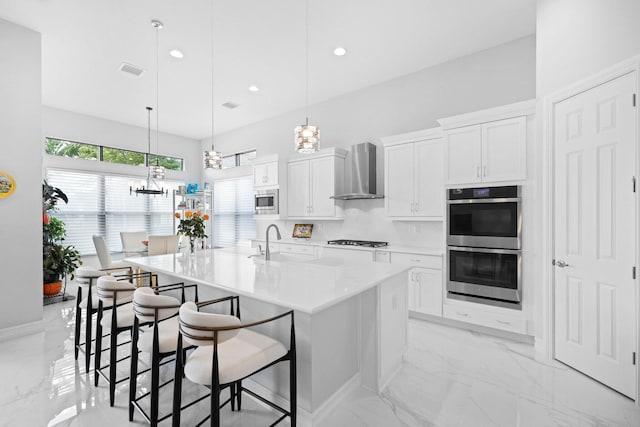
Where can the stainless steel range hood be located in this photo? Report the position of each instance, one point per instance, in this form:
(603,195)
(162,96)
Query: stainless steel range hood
(363,174)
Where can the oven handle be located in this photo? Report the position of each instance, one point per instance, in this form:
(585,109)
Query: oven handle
(483,250)
(498,200)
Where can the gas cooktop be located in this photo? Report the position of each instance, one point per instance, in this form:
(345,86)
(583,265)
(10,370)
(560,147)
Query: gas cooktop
(364,243)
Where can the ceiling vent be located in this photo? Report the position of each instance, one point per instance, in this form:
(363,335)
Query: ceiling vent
(131,69)
(230,105)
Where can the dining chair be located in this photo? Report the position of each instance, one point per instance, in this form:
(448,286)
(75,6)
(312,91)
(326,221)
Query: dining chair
(165,244)
(132,242)
(105,257)
(226,353)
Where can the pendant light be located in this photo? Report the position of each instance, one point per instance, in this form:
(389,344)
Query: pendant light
(212,159)
(152,186)
(307,137)
(156,171)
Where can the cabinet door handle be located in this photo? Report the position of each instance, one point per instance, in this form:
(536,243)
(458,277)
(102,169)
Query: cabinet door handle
(415,260)
(478,172)
(417,207)
(462,314)
(485,171)
(503,322)
(264,179)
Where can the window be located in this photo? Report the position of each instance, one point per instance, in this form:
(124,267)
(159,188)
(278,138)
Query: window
(124,157)
(233,211)
(59,147)
(101,204)
(238,159)
(171,163)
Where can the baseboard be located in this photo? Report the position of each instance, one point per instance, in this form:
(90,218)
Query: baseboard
(21,330)
(305,418)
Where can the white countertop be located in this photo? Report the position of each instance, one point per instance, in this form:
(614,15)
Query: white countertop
(305,285)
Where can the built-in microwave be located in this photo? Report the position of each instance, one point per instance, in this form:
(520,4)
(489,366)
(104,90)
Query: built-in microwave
(266,202)
(487,217)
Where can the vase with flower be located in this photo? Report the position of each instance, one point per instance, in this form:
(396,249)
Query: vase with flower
(192,225)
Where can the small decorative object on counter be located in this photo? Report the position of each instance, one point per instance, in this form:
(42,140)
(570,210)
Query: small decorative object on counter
(192,226)
(302,231)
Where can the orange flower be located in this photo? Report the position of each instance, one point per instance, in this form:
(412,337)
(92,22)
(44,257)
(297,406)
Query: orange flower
(177,214)
(197,213)
(205,217)
(188,214)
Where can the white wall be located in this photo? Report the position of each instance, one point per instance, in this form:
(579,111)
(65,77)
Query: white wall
(92,130)
(20,156)
(497,76)
(576,39)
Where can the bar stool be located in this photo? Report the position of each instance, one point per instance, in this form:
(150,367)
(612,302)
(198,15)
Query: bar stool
(116,293)
(86,277)
(228,352)
(159,314)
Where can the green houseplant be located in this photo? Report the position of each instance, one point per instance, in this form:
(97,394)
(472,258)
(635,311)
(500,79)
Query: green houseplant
(58,260)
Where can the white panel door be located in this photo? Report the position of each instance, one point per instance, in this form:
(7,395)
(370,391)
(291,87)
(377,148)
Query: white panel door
(399,176)
(594,243)
(298,201)
(429,201)
(323,187)
(504,150)
(464,158)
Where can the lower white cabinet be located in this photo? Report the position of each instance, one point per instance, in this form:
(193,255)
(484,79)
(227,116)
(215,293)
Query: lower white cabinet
(492,317)
(425,291)
(347,254)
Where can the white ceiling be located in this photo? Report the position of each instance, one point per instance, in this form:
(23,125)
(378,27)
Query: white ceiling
(256,42)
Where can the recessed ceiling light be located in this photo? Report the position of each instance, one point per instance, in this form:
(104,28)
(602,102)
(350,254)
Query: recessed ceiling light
(340,51)
(254,88)
(176,54)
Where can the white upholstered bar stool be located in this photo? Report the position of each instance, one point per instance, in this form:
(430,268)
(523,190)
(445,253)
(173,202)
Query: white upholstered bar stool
(228,352)
(86,277)
(116,293)
(155,332)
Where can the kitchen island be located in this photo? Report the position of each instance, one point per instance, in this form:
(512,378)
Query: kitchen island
(350,317)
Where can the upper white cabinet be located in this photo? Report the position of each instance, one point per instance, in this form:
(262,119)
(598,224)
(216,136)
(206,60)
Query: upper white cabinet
(265,172)
(414,174)
(487,146)
(312,180)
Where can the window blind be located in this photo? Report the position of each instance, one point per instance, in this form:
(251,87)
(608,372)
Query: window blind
(101,204)
(233,211)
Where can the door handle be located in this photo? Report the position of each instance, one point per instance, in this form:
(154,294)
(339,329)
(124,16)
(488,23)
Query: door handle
(560,263)
(478,172)
(485,171)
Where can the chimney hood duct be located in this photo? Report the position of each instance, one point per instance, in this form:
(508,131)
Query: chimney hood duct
(363,173)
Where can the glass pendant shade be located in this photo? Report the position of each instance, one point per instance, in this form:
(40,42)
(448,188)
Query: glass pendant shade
(156,172)
(307,138)
(212,159)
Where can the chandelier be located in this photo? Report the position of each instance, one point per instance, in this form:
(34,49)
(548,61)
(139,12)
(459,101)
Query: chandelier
(307,137)
(154,172)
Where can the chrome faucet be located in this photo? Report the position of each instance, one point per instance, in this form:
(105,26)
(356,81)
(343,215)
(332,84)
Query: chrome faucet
(267,254)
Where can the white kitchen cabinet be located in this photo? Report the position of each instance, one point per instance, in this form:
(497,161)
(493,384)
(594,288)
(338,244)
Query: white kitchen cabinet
(425,287)
(414,175)
(312,181)
(487,152)
(265,174)
(492,317)
(425,291)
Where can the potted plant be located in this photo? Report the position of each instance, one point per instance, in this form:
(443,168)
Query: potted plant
(58,260)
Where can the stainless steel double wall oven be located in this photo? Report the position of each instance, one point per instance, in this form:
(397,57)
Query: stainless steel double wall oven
(484,245)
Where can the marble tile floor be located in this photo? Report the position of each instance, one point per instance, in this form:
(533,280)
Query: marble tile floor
(450,377)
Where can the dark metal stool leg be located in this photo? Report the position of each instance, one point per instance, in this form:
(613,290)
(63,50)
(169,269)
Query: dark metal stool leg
(98,354)
(78,322)
(134,367)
